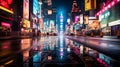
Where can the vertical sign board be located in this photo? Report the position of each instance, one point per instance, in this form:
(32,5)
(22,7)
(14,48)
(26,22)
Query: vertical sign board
(26,9)
(36,8)
(81,19)
(90,4)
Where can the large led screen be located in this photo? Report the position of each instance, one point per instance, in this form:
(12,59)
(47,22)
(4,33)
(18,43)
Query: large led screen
(36,7)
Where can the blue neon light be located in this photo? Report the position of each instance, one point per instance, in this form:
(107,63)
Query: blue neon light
(36,7)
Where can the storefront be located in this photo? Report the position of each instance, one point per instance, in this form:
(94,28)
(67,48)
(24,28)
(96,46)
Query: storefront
(6,17)
(114,29)
(110,19)
(5,29)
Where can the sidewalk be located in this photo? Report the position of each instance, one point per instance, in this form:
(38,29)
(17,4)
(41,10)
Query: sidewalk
(109,38)
(106,38)
(108,47)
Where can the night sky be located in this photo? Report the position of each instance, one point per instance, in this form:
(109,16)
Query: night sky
(67,4)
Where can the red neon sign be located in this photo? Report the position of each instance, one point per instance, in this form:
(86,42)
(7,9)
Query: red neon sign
(107,7)
(5,24)
(6,3)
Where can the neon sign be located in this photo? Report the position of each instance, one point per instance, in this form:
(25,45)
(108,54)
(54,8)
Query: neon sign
(26,23)
(5,24)
(36,7)
(107,7)
(6,5)
(106,15)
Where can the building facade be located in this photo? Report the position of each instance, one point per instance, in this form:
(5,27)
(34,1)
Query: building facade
(109,18)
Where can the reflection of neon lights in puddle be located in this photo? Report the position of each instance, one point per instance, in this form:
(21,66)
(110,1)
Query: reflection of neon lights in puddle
(9,62)
(68,49)
(81,49)
(61,55)
(37,57)
(102,59)
(61,45)
(105,58)
(61,41)
(61,49)
(102,62)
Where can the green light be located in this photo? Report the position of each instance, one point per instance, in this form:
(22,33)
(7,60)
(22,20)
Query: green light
(0,27)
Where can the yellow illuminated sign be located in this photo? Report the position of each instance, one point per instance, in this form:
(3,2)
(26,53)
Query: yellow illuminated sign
(7,10)
(87,5)
(26,23)
(90,4)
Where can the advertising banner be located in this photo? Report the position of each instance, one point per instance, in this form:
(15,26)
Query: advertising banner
(36,9)
(26,23)
(26,9)
(90,4)
(6,5)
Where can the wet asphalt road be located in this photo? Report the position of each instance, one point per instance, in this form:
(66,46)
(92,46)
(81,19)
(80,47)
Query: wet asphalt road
(52,51)
(109,47)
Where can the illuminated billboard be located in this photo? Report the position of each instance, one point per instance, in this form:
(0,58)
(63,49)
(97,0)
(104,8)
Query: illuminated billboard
(111,16)
(6,5)
(81,19)
(51,23)
(76,19)
(94,25)
(49,12)
(26,23)
(90,4)
(36,7)
(86,20)
(5,24)
(26,9)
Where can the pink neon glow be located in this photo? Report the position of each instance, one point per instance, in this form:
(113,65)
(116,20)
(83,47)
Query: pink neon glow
(113,3)
(100,12)
(105,8)
(109,6)
(118,0)
(76,18)
(102,62)
(97,14)
(5,24)
(61,53)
